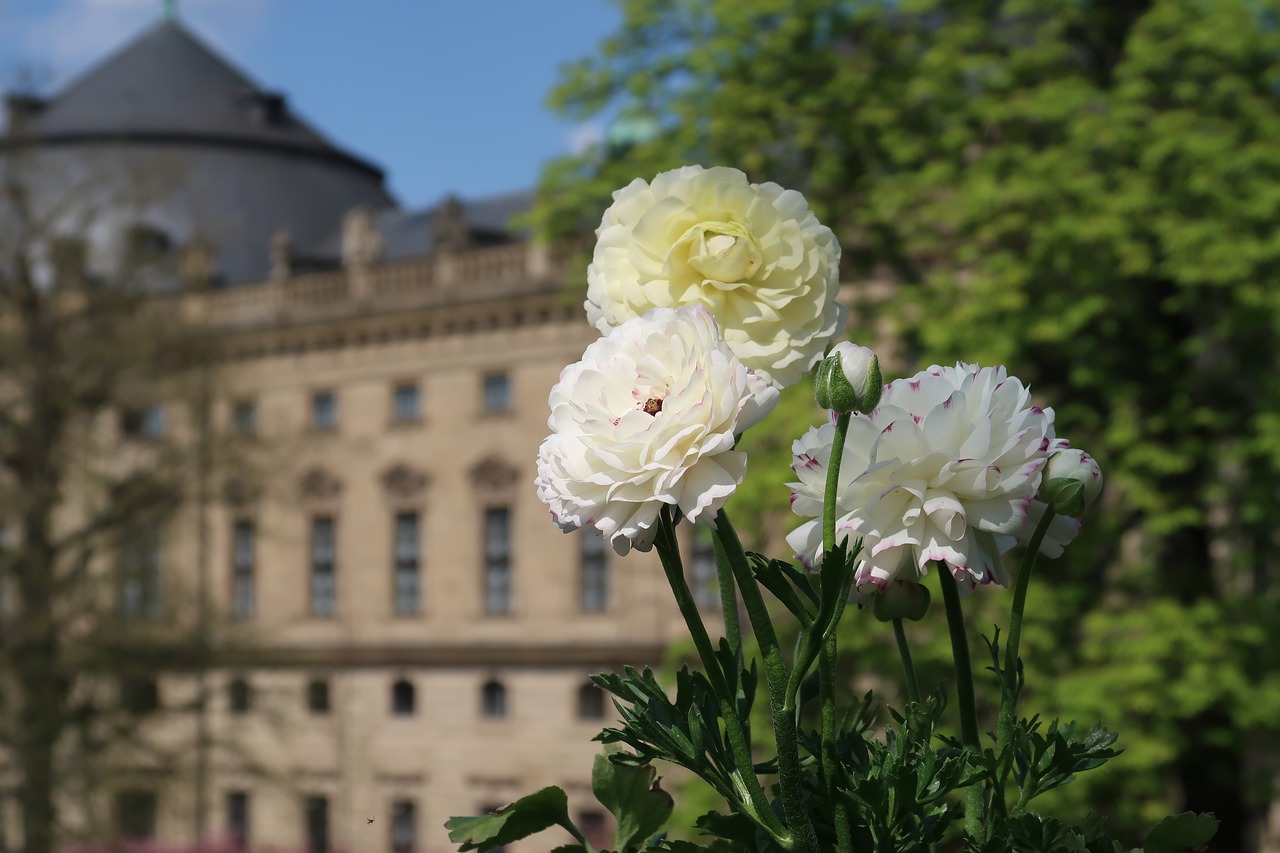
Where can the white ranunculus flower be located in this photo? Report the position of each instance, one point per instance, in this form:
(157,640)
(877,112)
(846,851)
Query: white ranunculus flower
(946,468)
(754,254)
(648,417)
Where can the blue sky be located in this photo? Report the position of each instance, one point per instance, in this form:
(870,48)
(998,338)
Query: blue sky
(445,95)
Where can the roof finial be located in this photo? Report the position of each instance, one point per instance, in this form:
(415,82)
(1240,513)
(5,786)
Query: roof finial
(170,9)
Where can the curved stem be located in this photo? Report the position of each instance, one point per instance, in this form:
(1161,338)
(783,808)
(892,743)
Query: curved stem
(908,668)
(790,775)
(757,804)
(728,597)
(1009,685)
(969,736)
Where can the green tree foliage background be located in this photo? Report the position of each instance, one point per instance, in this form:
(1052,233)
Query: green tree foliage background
(1087,191)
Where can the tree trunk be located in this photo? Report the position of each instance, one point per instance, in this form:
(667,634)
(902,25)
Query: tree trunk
(44,691)
(1211,768)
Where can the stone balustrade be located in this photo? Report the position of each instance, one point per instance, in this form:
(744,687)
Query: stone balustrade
(443,278)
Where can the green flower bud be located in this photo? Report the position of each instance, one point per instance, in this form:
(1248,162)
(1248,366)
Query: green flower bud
(1072,481)
(901,599)
(848,379)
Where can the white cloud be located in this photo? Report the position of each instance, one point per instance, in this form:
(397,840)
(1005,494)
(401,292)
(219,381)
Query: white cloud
(584,137)
(77,33)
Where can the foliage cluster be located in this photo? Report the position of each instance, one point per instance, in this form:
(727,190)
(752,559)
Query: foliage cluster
(1087,189)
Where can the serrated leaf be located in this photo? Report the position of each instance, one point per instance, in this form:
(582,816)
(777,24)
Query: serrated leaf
(526,816)
(1181,832)
(632,795)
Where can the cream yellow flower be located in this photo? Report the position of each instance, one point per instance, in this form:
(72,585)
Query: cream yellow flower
(754,254)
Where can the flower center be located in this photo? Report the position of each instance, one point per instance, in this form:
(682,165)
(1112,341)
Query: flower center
(722,254)
(652,406)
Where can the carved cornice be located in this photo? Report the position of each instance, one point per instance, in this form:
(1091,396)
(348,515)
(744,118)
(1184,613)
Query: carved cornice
(240,493)
(403,482)
(318,485)
(493,475)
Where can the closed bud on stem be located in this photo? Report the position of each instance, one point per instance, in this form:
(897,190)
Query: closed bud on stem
(901,599)
(1072,481)
(848,379)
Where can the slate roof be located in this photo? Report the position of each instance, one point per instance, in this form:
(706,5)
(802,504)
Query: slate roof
(406,234)
(410,234)
(167,85)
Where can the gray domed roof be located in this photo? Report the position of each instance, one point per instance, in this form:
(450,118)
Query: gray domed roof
(166,85)
(166,134)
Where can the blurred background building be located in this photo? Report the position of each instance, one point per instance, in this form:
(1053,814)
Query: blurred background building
(396,632)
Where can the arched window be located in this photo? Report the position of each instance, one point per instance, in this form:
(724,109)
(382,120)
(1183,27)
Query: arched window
(402,698)
(590,702)
(493,699)
(239,696)
(318,696)
(145,245)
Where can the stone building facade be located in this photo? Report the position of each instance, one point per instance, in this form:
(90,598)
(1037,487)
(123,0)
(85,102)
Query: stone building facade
(400,633)
(418,631)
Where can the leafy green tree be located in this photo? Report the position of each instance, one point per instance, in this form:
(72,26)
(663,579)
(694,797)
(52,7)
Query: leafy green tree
(1088,192)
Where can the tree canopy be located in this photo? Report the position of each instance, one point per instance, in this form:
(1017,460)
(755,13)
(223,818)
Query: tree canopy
(1086,191)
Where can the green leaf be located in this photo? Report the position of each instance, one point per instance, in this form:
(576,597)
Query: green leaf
(1181,832)
(633,796)
(526,816)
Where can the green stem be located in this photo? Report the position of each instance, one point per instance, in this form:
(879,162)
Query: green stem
(828,650)
(830,760)
(728,597)
(756,805)
(833,484)
(908,668)
(790,775)
(973,820)
(1009,688)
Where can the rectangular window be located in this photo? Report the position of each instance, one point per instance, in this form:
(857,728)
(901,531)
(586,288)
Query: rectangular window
(136,815)
(153,421)
(244,417)
(317,828)
(406,403)
(324,411)
(242,564)
(140,572)
(404,826)
(595,571)
(407,563)
(704,580)
(497,560)
(323,587)
(145,422)
(497,392)
(238,819)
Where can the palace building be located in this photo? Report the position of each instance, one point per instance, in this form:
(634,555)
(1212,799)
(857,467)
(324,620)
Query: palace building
(399,631)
